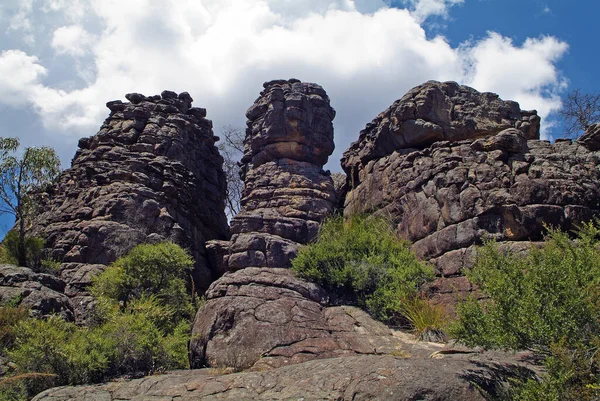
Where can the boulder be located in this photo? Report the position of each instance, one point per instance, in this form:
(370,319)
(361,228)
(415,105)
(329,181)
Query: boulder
(43,294)
(433,112)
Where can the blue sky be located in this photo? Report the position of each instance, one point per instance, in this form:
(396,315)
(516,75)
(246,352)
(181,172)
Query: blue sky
(62,60)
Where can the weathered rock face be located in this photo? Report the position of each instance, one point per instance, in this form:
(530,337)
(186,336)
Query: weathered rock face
(464,377)
(447,196)
(437,111)
(262,312)
(43,294)
(151,173)
(289,137)
(263,317)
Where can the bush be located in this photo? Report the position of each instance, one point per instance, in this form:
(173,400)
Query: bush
(158,270)
(548,301)
(363,258)
(141,326)
(9,318)
(33,249)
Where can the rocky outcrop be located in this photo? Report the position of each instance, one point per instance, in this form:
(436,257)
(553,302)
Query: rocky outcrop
(289,137)
(417,372)
(151,173)
(433,112)
(259,313)
(591,138)
(492,179)
(263,317)
(41,293)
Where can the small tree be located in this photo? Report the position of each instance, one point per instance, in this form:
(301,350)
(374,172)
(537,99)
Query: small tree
(232,149)
(579,111)
(19,177)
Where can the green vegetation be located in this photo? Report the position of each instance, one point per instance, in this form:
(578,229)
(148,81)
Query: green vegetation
(20,177)
(159,271)
(141,326)
(363,259)
(33,250)
(546,301)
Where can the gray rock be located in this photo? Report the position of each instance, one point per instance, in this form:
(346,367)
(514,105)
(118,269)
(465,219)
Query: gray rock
(490,180)
(433,112)
(289,137)
(442,375)
(152,173)
(41,293)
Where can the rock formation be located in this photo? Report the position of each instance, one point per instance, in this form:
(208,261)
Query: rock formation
(151,173)
(289,137)
(453,166)
(43,294)
(420,371)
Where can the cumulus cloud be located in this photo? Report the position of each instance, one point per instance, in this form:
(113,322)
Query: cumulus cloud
(72,40)
(423,9)
(364,53)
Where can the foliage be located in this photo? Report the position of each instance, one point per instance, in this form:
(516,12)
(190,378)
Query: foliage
(9,318)
(232,149)
(363,257)
(141,326)
(19,178)
(579,111)
(428,320)
(33,249)
(158,270)
(547,301)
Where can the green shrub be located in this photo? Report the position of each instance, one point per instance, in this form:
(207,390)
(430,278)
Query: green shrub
(363,258)
(141,326)
(547,301)
(159,270)
(33,249)
(9,318)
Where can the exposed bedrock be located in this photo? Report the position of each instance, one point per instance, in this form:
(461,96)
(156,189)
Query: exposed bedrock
(151,173)
(487,175)
(289,137)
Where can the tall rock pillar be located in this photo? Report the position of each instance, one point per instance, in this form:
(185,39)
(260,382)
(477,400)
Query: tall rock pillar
(289,137)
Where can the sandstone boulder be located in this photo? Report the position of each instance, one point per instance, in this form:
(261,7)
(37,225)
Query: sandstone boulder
(437,111)
(41,293)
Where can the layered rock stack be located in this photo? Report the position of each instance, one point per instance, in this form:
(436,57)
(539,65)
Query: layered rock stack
(289,137)
(453,166)
(152,173)
(259,314)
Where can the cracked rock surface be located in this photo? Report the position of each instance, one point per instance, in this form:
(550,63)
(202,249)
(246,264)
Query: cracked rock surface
(152,173)
(259,317)
(289,137)
(430,374)
(487,176)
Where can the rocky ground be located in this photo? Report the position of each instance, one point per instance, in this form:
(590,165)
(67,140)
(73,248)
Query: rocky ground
(411,371)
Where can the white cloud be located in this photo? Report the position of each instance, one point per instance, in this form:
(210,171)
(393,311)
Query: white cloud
(422,9)
(72,39)
(525,73)
(365,54)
